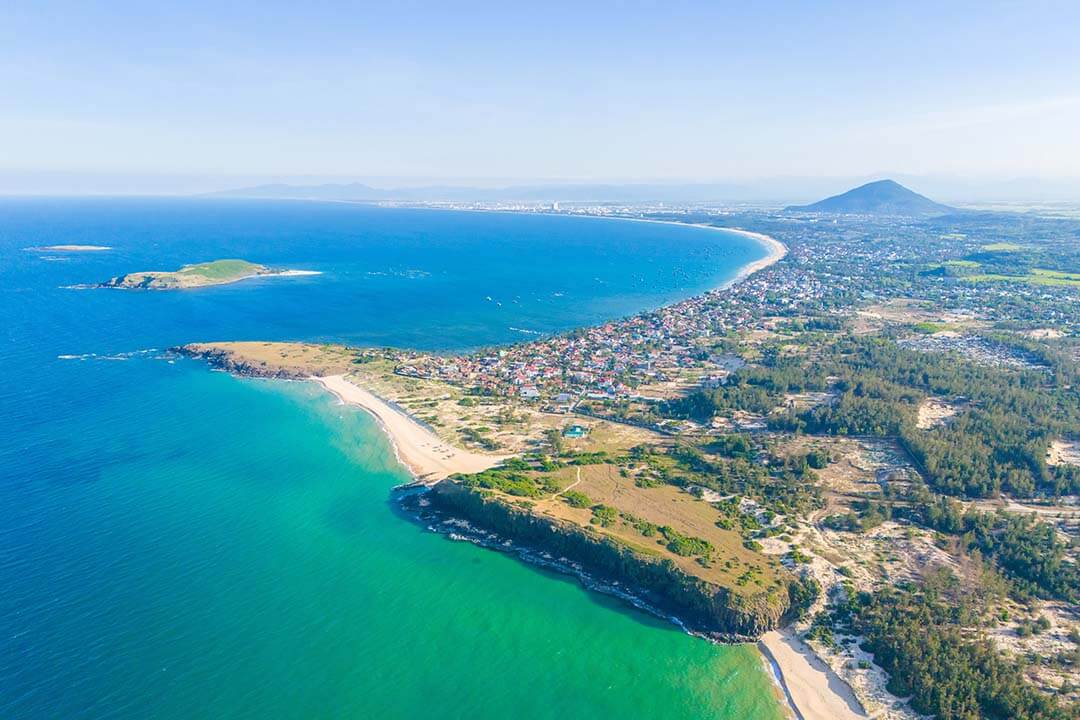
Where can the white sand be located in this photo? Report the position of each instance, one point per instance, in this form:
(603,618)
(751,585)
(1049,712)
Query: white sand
(816,692)
(428,458)
(776,249)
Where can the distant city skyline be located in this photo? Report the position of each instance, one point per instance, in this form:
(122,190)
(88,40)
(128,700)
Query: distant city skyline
(125,98)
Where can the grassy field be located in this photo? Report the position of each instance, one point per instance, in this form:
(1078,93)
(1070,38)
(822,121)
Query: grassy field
(1002,247)
(661,521)
(929,328)
(1054,277)
(1038,276)
(222,269)
(297,358)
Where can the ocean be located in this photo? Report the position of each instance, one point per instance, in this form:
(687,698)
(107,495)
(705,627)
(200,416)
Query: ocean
(179,543)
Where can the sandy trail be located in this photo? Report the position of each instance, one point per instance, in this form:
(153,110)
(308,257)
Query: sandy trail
(427,456)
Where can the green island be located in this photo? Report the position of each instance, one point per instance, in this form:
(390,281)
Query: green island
(216,272)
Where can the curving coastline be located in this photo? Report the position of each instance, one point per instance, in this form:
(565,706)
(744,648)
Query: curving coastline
(430,459)
(813,691)
(776,250)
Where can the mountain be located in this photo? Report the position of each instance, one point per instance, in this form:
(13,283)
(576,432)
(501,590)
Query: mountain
(359,192)
(884,197)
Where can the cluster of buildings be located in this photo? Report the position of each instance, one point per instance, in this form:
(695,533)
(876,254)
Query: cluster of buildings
(831,268)
(610,361)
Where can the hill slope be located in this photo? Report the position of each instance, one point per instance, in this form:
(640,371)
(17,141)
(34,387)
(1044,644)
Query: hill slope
(883,197)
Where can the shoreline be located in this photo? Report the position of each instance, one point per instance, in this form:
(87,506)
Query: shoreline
(427,457)
(808,694)
(412,502)
(774,249)
(812,690)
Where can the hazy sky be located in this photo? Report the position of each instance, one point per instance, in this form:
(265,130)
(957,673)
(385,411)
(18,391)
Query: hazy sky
(545,90)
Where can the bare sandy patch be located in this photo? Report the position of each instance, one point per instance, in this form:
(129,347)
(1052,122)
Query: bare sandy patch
(1063,452)
(1044,334)
(935,412)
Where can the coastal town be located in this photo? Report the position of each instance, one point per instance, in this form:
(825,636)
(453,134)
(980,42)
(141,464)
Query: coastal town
(687,342)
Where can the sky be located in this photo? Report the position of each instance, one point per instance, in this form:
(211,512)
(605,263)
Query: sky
(179,95)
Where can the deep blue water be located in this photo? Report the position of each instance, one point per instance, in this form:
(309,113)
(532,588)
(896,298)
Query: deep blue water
(177,543)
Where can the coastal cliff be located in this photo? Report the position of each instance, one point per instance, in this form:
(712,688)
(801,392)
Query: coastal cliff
(222,358)
(282,361)
(704,607)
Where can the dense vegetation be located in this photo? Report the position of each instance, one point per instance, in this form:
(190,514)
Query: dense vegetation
(918,636)
(728,466)
(1026,551)
(998,443)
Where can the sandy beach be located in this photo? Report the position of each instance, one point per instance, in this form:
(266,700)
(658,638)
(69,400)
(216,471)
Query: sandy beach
(813,691)
(427,457)
(776,249)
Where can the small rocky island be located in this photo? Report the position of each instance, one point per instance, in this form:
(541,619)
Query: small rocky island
(216,272)
(70,248)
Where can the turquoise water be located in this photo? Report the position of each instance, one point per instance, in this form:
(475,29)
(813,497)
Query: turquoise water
(178,543)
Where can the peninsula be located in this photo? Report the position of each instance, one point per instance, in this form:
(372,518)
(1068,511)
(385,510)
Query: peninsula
(216,272)
(603,497)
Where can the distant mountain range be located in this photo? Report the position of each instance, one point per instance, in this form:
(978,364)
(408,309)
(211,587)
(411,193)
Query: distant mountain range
(359,192)
(884,197)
